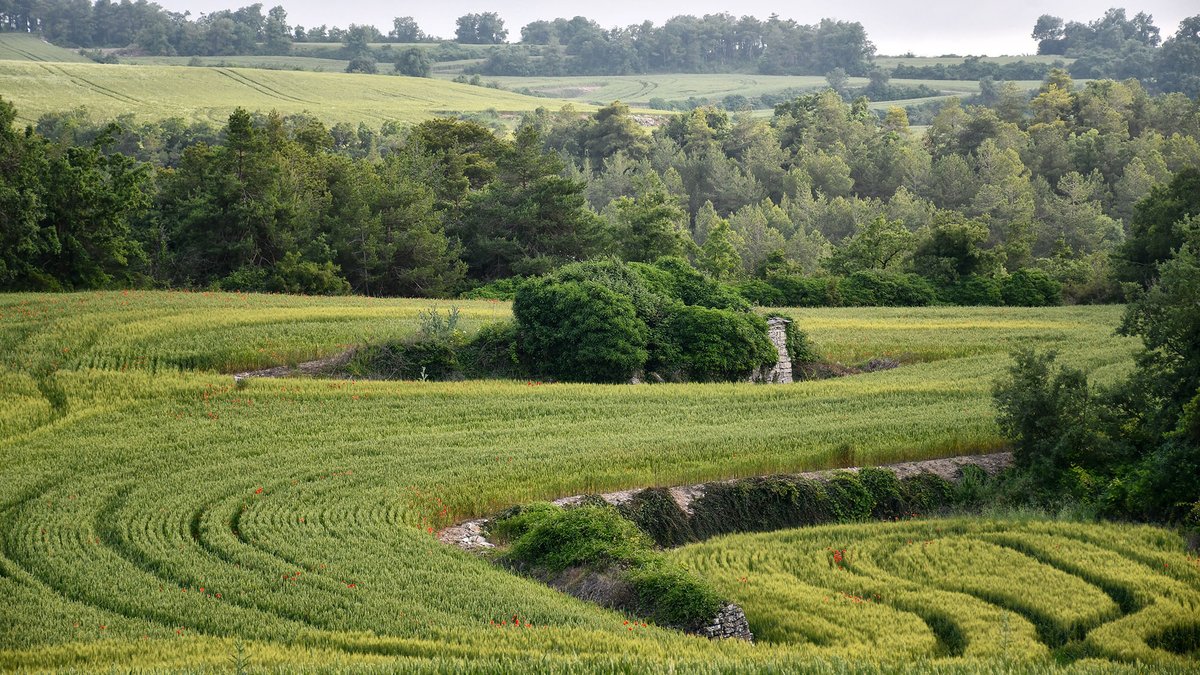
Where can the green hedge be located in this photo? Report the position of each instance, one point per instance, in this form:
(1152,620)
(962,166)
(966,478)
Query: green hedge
(886,289)
(1031,288)
(974,291)
(800,291)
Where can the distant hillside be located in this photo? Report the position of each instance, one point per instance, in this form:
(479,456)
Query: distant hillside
(155,92)
(25,47)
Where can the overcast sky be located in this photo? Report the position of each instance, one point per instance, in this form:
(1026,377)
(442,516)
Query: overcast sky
(927,28)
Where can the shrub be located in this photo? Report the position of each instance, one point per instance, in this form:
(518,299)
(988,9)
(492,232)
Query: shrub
(673,596)
(580,330)
(500,289)
(656,513)
(690,286)
(588,536)
(1049,414)
(516,521)
(849,499)
(886,289)
(761,293)
(492,352)
(799,291)
(926,492)
(760,504)
(974,290)
(885,491)
(362,64)
(247,278)
(294,275)
(623,279)
(1030,287)
(972,486)
(418,359)
(704,345)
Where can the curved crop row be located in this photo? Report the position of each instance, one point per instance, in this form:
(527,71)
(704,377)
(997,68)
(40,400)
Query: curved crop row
(1009,589)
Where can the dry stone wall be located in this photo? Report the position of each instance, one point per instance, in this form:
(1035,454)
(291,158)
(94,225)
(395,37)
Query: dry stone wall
(729,624)
(781,372)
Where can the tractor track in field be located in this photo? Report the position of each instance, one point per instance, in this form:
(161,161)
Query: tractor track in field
(260,87)
(88,84)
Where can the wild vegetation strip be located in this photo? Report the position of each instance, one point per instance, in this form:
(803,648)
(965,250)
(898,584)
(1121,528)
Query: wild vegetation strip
(163,506)
(170,91)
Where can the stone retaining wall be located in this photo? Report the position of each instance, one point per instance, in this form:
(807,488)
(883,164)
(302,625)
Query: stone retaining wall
(729,624)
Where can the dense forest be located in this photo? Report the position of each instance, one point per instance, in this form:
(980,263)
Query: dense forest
(1112,46)
(1024,201)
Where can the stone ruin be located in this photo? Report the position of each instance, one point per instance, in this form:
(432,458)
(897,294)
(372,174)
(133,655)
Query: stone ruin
(781,372)
(729,623)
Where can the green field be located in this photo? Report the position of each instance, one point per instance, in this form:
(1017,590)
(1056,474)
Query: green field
(637,90)
(1016,590)
(152,514)
(893,61)
(309,63)
(24,47)
(156,92)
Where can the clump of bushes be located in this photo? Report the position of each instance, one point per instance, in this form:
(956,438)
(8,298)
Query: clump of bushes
(431,354)
(1028,287)
(556,539)
(580,330)
(608,321)
(596,321)
(702,344)
(886,289)
(551,542)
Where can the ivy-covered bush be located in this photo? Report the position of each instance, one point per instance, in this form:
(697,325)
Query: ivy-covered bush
(885,489)
(580,331)
(849,499)
(760,504)
(926,493)
(699,344)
